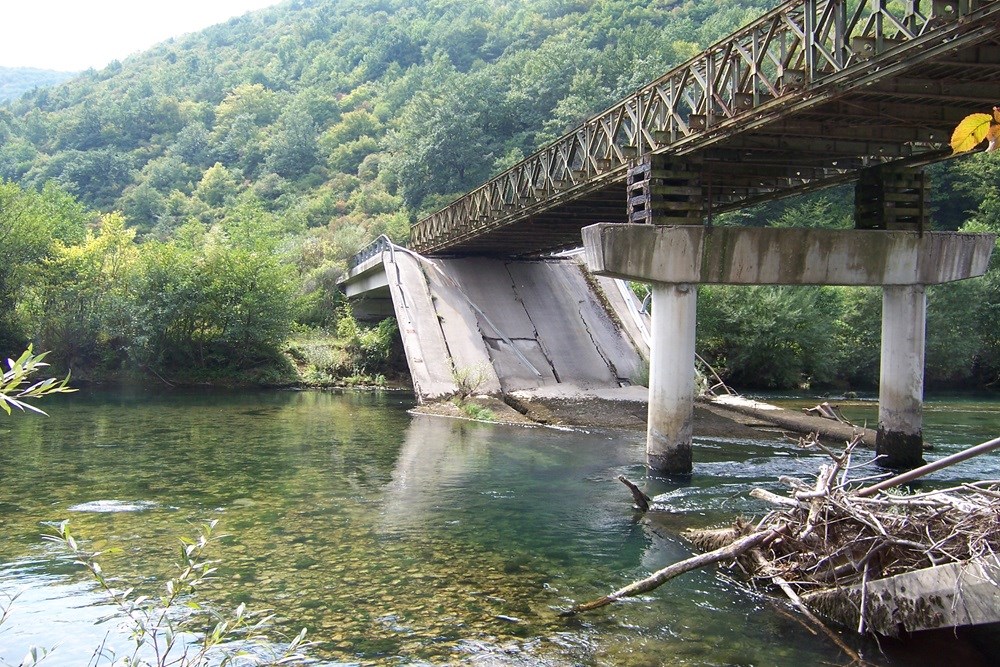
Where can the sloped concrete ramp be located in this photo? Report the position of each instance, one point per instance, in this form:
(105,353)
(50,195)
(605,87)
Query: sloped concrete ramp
(505,326)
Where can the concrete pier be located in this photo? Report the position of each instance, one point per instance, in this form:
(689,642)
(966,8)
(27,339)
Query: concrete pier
(671,378)
(675,259)
(901,377)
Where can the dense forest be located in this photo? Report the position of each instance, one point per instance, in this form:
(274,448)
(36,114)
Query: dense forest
(15,81)
(186,212)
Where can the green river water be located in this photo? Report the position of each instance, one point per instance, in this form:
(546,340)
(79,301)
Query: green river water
(405,540)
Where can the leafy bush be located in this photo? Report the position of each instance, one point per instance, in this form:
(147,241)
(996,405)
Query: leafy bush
(768,337)
(370,347)
(356,355)
(476,411)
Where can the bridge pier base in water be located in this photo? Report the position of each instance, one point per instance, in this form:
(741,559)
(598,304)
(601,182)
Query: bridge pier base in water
(901,377)
(671,378)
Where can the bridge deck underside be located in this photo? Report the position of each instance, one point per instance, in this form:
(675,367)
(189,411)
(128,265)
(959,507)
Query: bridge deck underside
(907,118)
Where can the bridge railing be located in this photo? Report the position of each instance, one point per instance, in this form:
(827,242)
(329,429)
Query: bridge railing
(763,69)
(373,249)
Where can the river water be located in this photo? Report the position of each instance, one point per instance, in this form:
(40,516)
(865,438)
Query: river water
(399,539)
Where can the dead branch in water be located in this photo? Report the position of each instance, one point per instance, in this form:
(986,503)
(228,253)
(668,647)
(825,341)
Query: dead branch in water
(640,499)
(660,577)
(801,607)
(827,411)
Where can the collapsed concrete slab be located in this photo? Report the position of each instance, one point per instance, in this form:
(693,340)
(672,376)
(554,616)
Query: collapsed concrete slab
(498,326)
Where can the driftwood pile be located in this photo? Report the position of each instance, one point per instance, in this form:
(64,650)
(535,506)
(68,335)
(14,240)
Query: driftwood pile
(835,532)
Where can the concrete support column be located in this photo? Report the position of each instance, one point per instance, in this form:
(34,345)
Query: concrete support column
(901,379)
(671,378)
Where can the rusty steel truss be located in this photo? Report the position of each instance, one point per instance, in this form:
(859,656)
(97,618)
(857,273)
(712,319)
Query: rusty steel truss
(803,97)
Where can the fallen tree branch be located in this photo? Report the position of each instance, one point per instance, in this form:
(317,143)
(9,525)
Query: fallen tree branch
(658,578)
(797,602)
(640,499)
(827,411)
(775,499)
(917,473)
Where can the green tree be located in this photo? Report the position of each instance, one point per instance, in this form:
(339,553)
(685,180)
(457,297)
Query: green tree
(215,299)
(447,142)
(768,337)
(193,144)
(82,302)
(292,147)
(29,223)
(218,186)
(262,106)
(143,205)
(16,157)
(857,336)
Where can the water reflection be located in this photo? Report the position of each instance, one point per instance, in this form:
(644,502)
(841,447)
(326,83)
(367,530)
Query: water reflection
(437,454)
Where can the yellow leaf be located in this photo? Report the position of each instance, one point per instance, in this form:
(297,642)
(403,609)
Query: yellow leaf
(970,132)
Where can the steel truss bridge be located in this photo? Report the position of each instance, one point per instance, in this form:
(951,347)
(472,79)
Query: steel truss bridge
(809,95)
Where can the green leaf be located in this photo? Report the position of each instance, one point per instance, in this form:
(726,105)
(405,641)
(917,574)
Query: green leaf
(970,132)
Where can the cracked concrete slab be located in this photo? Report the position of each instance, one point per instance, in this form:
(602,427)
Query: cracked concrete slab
(467,350)
(534,324)
(488,284)
(552,298)
(426,348)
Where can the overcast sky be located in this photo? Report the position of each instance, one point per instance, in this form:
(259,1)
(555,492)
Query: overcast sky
(72,35)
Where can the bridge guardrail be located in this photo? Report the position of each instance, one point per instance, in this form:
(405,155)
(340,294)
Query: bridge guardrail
(374,248)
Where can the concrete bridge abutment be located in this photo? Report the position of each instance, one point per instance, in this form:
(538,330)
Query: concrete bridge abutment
(676,259)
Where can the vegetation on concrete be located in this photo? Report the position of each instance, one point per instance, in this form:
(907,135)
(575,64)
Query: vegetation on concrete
(473,410)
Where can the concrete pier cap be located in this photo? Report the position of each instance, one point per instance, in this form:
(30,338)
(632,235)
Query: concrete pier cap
(772,256)
(676,258)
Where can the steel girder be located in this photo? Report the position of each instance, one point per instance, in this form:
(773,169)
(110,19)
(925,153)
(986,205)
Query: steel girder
(797,57)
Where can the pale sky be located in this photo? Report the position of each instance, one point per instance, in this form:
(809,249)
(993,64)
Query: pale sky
(72,35)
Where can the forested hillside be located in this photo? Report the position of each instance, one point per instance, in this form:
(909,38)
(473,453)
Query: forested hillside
(344,110)
(270,148)
(15,81)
